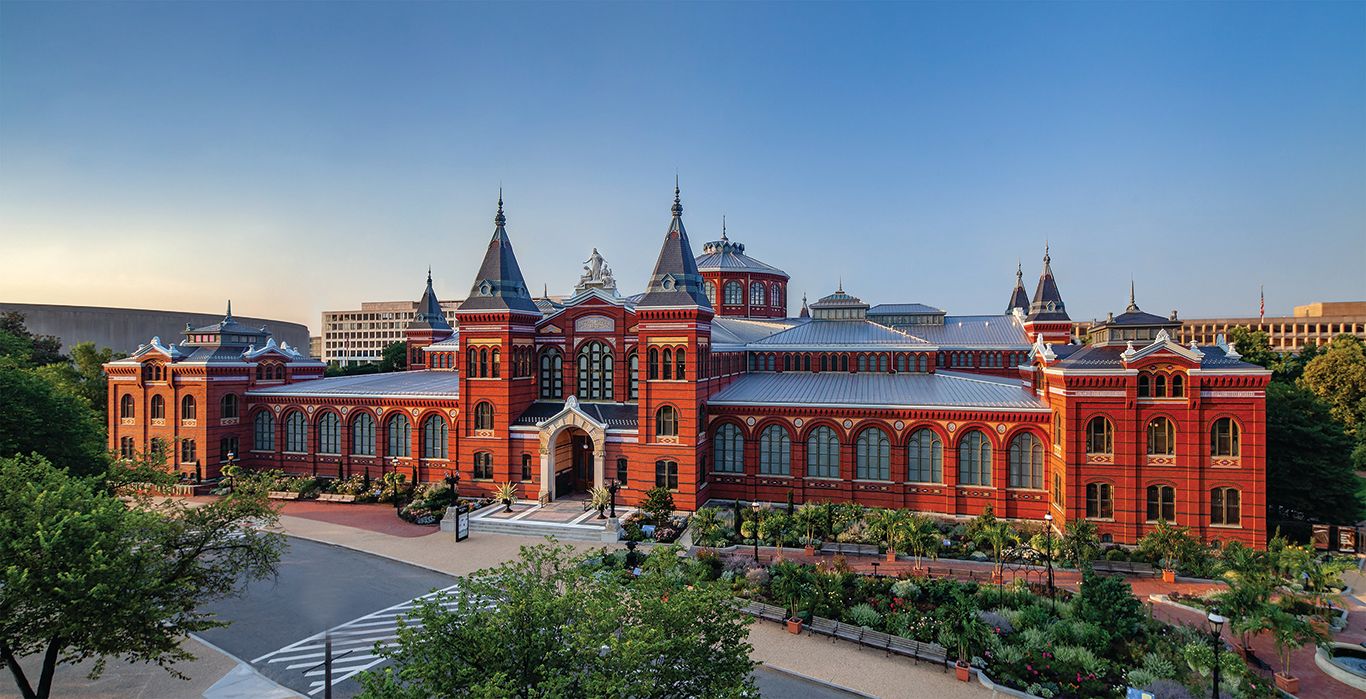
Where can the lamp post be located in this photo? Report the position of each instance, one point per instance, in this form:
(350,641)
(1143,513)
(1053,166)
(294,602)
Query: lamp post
(875,569)
(1048,552)
(393,461)
(228,466)
(612,488)
(453,479)
(755,507)
(1216,623)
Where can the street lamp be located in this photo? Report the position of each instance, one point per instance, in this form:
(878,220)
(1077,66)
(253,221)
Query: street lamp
(875,569)
(612,488)
(228,465)
(755,506)
(453,479)
(398,505)
(1048,552)
(1216,623)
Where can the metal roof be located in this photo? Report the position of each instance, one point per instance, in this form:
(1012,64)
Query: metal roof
(675,281)
(840,333)
(975,331)
(614,415)
(1108,357)
(726,256)
(397,384)
(739,331)
(499,284)
(904,309)
(840,389)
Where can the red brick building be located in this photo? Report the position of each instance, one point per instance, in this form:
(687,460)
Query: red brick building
(718,396)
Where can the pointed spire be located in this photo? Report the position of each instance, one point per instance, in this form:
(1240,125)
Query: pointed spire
(228,316)
(840,290)
(545,291)
(429,275)
(1133,307)
(499,219)
(1047,304)
(1018,298)
(429,314)
(498,285)
(806,310)
(678,202)
(723,228)
(675,281)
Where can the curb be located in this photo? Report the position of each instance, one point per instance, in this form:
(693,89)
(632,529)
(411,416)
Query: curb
(369,552)
(814,680)
(241,664)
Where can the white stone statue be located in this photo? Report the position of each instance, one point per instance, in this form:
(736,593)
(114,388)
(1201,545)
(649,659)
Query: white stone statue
(597,275)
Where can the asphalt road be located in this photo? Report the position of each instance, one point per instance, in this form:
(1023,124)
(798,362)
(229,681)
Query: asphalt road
(322,587)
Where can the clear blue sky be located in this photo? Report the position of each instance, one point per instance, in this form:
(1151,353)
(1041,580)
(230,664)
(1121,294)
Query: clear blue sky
(308,156)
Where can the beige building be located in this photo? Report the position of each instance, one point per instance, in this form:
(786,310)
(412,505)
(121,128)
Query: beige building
(1312,323)
(354,336)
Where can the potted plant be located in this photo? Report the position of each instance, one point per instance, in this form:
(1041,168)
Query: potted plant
(1166,543)
(706,527)
(1289,632)
(505,493)
(961,628)
(921,537)
(791,583)
(808,516)
(999,536)
(599,498)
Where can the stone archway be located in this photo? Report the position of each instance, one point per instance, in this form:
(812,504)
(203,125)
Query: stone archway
(570,418)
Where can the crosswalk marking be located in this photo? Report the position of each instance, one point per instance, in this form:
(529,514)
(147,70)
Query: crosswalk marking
(352,644)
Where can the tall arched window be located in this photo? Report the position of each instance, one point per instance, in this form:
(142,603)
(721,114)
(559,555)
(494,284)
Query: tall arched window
(1026,462)
(1160,386)
(595,371)
(633,362)
(127,447)
(126,406)
(227,407)
(1178,386)
(681,364)
(974,459)
(666,421)
(483,416)
(1225,438)
(1161,437)
(263,432)
(1161,503)
(756,294)
(711,293)
(472,363)
(873,455)
(434,437)
(552,374)
(775,297)
(775,452)
(188,452)
(1144,386)
(188,409)
(728,449)
(158,408)
(925,457)
(1100,436)
(296,432)
(654,363)
(483,466)
(1225,506)
(400,434)
(823,453)
(495,358)
(1100,501)
(735,294)
(329,433)
(363,435)
(666,364)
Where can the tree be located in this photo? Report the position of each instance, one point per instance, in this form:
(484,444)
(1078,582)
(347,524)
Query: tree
(1167,543)
(887,525)
(997,534)
(394,357)
(1338,376)
(1289,632)
(1309,469)
(1080,542)
(1253,345)
(29,349)
(1108,602)
(559,627)
(87,576)
(921,537)
(961,629)
(84,375)
(44,417)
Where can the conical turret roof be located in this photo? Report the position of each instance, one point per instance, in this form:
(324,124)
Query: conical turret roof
(675,281)
(429,315)
(1047,304)
(499,286)
(1018,298)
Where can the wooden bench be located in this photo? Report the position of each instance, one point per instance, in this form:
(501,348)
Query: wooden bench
(772,613)
(823,626)
(1127,567)
(849,549)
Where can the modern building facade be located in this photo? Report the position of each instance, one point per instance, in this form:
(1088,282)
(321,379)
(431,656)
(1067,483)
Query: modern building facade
(899,405)
(360,336)
(1314,323)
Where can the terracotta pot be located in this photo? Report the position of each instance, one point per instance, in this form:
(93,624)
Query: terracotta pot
(809,550)
(891,556)
(1287,683)
(794,625)
(996,577)
(1168,575)
(963,671)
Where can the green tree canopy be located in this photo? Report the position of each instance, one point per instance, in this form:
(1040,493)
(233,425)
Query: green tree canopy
(1309,468)
(395,357)
(547,624)
(87,576)
(1338,376)
(42,415)
(27,349)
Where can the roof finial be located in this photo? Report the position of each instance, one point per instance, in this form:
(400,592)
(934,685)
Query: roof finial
(678,202)
(545,291)
(500,220)
(841,286)
(1046,258)
(1132,305)
(723,227)
(1019,272)
(229,315)
(429,275)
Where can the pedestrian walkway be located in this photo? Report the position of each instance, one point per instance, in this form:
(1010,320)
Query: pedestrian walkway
(564,519)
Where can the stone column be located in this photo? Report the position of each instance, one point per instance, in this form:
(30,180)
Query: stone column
(547,475)
(599,457)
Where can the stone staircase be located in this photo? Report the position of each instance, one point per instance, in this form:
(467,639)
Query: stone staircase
(563,532)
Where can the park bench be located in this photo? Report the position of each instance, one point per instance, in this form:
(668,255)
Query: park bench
(1126,567)
(772,613)
(823,626)
(849,549)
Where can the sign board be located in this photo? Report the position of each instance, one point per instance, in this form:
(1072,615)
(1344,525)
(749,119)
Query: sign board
(1321,537)
(1136,693)
(1347,540)
(462,522)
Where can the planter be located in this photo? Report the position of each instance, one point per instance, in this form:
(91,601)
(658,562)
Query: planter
(962,670)
(1168,575)
(282,495)
(996,577)
(891,556)
(1287,683)
(809,550)
(794,625)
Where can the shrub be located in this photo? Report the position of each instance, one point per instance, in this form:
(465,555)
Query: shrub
(1108,601)
(863,614)
(1158,666)
(1199,656)
(1139,677)
(1168,689)
(1117,554)
(1035,616)
(905,589)
(658,505)
(997,622)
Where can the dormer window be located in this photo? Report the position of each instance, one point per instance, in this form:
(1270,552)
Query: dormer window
(486,289)
(154,371)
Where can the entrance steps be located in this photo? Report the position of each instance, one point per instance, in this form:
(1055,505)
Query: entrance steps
(563,532)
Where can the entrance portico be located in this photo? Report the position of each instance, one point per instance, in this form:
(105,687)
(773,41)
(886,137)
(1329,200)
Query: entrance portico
(574,421)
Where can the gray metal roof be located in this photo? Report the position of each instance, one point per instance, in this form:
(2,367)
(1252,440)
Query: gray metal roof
(1108,357)
(614,415)
(675,280)
(904,309)
(840,333)
(398,384)
(740,331)
(1047,304)
(975,331)
(725,255)
(840,389)
(499,284)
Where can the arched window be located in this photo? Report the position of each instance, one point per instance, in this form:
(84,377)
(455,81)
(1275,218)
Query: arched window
(1144,386)
(823,453)
(924,364)
(1100,501)
(472,363)
(681,364)
(188,452)
(1225,438)
(728,449)
(400,434)
(595,371)
(654,363)
(363,435)
(776,295)
(756,294)
(1161,437)
(1225,506)
(666,364)
(735,294)
(1178,386)
(974,459)
(711,293)
(633,364)
(329,433)
(127,447)
(775,452)
(1026,462)
(1160,386)
(227,407)
(496,362)
(483,416)
(227,446)
(863,362)
(666,421)
(296,432)
(1100,436)
(1161,503)
(666,474)
(263,432)
(623,470)
(526,468)
(158,408)
(188,409)
(126,406)
(552,374)
(882,363)
(483,466)
(434,437)
(873,455)
(925,457)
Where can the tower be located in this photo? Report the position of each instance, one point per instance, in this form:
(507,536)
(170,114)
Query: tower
(674,331)
(428,326)
(497,333)
(1019,300)
(1047,317)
